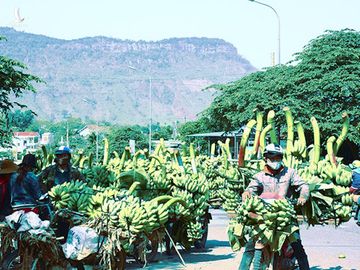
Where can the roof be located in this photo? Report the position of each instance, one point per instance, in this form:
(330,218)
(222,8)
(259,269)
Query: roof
(26,134)
(218,134)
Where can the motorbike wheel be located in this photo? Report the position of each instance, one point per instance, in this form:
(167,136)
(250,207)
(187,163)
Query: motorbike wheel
(12,261)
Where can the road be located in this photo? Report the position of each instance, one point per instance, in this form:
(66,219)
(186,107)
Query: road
(323,245)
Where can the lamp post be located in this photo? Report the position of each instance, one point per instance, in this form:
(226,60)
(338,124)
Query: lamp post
(150,102)
(97,131)
(278,19)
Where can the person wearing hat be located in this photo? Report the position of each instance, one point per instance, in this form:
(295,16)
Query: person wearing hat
(7,169)
(279,181)
(61,171)
(355,187)
(24,185)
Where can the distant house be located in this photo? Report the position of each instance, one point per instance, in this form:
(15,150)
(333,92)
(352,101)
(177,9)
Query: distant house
(47,138)
(25,142)
(87,130)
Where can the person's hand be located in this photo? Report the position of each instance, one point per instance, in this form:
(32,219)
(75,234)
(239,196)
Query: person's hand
(301,201)
(356,198)
(245,195)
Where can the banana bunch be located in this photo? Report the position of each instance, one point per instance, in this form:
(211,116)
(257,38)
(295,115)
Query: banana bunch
(64,195)
(194,230)
(60,196)
(281,215)
(338,190)
(343,178)
(347,199)
(99,176)
(231,199)
(151,209)
(97,201)
(299,149)
(132,218)
(253,205)
(79,202)
(160,179)
(184,195)
(109,212)
(343,212)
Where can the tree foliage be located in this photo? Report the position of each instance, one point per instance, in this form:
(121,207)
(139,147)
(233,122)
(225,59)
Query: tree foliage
(14,81)
(21,120)
(119,138)
(322,81)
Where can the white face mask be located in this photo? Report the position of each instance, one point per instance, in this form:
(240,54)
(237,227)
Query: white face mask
(275,165)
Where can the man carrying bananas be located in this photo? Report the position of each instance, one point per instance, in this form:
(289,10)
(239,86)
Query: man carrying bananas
(61,171)
(281,181)
(355,187)
(57,174)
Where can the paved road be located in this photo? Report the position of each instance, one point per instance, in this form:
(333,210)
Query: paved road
(323,245)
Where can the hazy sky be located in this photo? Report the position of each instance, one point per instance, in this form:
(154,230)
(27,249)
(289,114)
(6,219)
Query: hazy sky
(250,27)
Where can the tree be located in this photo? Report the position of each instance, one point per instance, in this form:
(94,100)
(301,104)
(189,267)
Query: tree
(322,81)
(119,137)
(13,82)
(21,120)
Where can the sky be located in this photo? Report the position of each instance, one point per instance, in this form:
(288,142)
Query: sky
(252,28)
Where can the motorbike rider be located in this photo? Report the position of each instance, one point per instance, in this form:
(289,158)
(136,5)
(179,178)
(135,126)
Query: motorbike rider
(57,174)
(25,188)
(61,171)
(277,179)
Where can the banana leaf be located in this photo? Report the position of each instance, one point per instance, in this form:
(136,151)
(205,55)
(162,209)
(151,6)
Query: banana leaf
(127,178)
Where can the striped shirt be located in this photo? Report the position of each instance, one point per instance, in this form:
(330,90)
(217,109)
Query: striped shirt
(283,184)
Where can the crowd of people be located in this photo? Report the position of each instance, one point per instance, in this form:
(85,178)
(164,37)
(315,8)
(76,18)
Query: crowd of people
(19,186)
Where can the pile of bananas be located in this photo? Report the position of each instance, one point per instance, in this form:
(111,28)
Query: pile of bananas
(231,199)
(73,195)
(270,223)
(99,176)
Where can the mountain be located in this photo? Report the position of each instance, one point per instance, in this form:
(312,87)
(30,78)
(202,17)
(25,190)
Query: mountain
(94,77)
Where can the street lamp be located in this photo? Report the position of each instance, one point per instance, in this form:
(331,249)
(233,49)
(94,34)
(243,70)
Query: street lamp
(278,19)
(150,101)
(91,102)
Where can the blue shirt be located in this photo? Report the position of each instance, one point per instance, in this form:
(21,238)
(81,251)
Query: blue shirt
(25,192)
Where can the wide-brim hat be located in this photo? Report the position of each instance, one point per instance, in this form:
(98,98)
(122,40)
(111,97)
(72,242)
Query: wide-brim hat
(355,164)
(7,166)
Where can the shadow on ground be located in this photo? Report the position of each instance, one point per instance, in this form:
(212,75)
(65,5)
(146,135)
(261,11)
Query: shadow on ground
(331,268)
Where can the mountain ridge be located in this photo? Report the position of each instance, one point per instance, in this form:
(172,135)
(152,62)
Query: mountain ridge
(101,70)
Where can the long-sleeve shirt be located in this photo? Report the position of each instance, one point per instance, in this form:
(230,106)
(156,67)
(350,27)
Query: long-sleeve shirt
(52,176)
(279,184)
(26,191)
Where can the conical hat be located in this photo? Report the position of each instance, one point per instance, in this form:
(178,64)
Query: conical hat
(7,166)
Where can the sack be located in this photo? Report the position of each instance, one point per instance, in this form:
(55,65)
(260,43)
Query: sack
(81,242)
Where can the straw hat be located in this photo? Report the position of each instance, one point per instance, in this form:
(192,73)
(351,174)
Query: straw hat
(7,166)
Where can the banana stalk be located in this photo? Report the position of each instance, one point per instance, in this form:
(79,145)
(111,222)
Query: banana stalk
(302,138)
(271,121)
(263,137)
(192,158)
(316,154)
(227,148)
(344,131)
(290,130)
(133,187)
(330,150)
(259,126)
(212,152)
(243,143)
(160,199)
(106,151)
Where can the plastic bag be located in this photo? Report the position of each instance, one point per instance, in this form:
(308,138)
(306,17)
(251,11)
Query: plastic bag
(81,242)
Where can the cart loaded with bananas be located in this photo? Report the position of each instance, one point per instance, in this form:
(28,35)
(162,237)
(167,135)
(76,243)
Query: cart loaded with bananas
(133,200)
(330,201)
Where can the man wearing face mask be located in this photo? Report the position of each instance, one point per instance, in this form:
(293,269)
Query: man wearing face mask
(281,181)
(61,171)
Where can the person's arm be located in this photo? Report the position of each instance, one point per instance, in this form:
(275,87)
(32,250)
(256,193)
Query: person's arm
(42,178)
(301,186)
(252,189)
